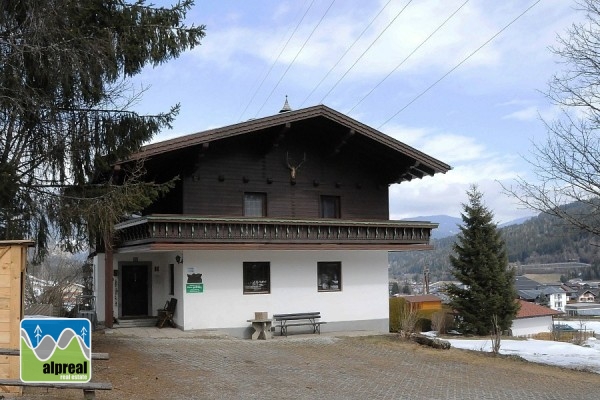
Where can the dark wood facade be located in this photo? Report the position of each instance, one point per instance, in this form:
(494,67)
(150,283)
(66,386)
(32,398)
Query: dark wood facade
(295,161)
(218,184)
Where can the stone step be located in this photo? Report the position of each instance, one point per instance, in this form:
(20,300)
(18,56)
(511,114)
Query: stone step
(135,322)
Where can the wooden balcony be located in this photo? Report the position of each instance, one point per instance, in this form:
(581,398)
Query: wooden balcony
(182,232)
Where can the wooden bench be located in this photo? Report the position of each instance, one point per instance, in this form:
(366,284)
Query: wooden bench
(89,388)
(299,319)
(17,352)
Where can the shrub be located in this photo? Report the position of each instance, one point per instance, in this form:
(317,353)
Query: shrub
(397,306)
(424,324)
(402,318)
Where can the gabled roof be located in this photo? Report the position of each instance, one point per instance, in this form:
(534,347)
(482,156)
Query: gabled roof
(531,310)
(423,164)
(421,298)
(568,288)
(524,283)
(528,294)
(593,292)
(551,290)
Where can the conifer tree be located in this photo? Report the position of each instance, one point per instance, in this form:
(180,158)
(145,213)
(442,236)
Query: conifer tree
(65,111)
(480,263)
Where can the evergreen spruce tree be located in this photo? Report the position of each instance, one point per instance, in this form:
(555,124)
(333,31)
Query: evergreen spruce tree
(481,265)
(65,114)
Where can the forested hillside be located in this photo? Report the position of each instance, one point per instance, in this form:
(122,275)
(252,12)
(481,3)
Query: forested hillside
(542,239)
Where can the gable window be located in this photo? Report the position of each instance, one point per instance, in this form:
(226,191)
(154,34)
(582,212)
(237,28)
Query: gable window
(257,277)
(330,206)
(255,204)
(329,276)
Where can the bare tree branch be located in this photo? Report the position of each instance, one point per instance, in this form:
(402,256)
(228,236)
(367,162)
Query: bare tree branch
(567,165)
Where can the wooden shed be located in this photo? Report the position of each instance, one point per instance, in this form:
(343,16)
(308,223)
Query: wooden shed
(13,259)
(424,302)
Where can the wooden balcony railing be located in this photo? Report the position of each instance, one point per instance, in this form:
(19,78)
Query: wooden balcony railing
(193,230)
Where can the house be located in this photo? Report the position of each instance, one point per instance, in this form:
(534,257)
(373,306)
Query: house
(550,296)
(529,290)
(532,319)
(283,214)
(587,296)
(62,294)
(557,297)
(570,291)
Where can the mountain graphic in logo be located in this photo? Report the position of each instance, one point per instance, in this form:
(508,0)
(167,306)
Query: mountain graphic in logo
(56,350)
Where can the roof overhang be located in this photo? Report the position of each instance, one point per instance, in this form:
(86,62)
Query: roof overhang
(419,164)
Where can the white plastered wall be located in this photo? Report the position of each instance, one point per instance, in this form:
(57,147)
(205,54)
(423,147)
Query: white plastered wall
(222,305)
(364,294)
(531,326)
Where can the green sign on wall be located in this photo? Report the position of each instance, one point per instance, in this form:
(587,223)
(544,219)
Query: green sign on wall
(194,287)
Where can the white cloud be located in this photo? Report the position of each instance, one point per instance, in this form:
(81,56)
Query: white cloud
(472,163)
(448,147)
(535,113)
(524,114)
(462,35)
(433,196)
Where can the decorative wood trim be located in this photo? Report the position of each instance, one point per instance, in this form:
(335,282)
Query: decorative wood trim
(195,232)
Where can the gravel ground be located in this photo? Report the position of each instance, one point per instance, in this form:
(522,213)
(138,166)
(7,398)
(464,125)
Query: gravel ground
(201,366)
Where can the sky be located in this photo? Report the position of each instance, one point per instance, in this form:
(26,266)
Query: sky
(567,355)
(462,81)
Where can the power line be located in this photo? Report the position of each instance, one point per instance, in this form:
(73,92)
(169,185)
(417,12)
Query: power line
(346,52)
(295,57)
(276,59)
(408,56)
(366,50)
(459,64)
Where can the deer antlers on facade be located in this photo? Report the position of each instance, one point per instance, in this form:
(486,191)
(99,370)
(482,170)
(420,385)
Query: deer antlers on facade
(293,169)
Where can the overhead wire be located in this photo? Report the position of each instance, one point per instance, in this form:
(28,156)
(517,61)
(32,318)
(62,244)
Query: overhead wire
(276,59)
(366,50)
(459,64)
(295,57)
(346,52)
(408,56)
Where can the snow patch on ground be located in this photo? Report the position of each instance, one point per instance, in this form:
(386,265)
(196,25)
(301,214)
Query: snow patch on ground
(568,355)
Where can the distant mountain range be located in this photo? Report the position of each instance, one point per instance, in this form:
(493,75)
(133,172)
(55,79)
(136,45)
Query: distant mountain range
(542,239)
(449,226)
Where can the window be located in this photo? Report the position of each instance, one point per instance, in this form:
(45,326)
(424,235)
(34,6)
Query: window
(255,204)
(330,207)
(257,277)
(329,276)
(171,279)
(558,304)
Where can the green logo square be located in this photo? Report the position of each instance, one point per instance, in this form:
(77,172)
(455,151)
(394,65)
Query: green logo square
(56,350)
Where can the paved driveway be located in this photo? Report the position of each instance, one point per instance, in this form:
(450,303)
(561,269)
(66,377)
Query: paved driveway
(169,364)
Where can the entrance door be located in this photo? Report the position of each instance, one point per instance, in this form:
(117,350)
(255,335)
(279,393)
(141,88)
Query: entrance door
(134,290)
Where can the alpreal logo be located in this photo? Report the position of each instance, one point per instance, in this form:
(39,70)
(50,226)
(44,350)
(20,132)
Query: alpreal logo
(56,350)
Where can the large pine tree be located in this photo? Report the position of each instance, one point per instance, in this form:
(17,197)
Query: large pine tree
(65,114)
(481,265)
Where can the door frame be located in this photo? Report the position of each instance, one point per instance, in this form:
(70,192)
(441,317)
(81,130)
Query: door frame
(119,285)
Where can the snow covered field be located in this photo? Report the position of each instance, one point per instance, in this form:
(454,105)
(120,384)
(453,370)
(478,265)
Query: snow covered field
(567,355)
